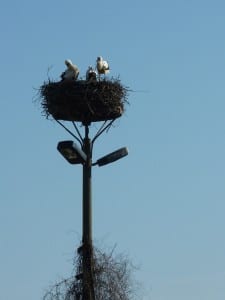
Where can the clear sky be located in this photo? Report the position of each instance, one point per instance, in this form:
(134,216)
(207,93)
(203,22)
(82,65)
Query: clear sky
(164,204)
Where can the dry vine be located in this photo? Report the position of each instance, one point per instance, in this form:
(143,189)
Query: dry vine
(113,279)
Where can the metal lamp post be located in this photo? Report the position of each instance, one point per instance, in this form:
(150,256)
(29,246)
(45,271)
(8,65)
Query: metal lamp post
(76,155)
(87,255)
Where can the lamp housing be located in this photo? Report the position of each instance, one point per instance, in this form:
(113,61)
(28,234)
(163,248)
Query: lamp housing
(111,157)
(72,152)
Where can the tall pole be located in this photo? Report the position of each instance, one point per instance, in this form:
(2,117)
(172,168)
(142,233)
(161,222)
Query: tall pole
(87,205)
(87,249)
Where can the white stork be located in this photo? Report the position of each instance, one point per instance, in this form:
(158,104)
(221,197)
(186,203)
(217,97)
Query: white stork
(102,66)
(71,72)
(91,74)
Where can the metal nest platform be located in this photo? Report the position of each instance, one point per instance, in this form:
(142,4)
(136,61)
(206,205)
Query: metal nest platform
(83,101)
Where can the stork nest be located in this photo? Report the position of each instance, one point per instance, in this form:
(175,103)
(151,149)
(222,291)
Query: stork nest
(83,101)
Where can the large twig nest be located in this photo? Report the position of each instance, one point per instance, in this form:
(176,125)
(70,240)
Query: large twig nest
(83,101)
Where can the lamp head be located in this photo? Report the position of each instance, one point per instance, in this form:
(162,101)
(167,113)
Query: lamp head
(71,152)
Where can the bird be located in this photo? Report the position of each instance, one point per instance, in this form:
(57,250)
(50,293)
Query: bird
(102,66)
(71,72)
(91,74)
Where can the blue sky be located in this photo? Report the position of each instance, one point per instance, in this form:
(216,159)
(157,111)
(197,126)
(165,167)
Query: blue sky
(163,205)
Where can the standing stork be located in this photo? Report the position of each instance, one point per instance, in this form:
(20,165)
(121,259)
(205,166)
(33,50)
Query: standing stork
(72,71)
(91,74)
(102,66)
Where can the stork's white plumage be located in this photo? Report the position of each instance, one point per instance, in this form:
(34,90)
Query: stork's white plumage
(102,65)
(91,74)
(71,72)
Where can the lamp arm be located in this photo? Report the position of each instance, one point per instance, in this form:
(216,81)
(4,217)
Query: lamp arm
(70,132)
(102,129)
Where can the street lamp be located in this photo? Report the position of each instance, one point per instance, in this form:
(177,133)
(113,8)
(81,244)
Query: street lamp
(111,157)
(75,155)
(71,152)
